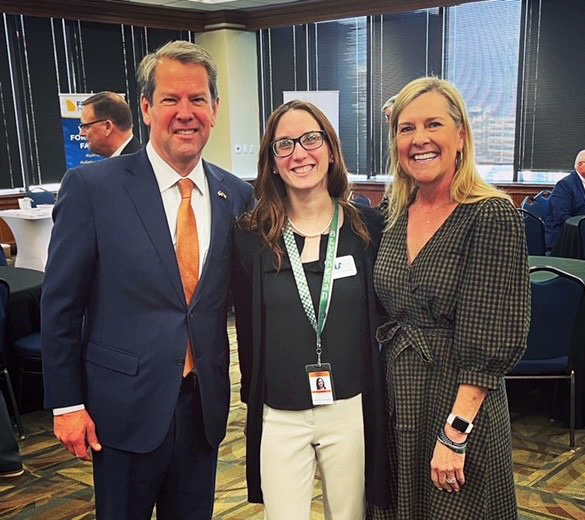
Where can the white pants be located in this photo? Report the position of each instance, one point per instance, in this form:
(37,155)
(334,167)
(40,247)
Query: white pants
(294,442)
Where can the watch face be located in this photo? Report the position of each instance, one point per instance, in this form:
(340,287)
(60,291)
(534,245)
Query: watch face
(459,424)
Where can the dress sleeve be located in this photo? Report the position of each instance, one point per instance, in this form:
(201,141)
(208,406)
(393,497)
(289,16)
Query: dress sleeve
(493,308)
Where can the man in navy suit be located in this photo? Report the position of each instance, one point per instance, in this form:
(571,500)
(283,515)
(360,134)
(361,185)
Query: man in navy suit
(116,324)
(568,197)
(106,124)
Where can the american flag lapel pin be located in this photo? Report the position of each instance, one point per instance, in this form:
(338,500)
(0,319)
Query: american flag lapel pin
(221,194)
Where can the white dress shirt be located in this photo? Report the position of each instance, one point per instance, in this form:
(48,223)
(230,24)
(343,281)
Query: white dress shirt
(167,179)
(123,145)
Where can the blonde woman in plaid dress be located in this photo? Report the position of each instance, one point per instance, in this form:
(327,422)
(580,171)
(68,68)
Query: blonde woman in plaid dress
(452,275)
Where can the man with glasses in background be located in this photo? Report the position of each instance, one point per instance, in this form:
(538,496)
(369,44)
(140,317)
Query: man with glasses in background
(106,123)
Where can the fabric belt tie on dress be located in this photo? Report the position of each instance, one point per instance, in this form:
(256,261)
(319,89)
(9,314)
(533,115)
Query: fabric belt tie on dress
(407,371)
(397,336)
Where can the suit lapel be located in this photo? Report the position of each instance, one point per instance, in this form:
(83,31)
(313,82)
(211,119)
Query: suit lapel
(579,184)
(143,189)
(220,221)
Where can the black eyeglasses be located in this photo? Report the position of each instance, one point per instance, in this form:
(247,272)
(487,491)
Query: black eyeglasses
(309,141)
(85,126)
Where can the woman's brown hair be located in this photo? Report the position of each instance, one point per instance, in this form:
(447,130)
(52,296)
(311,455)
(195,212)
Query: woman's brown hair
(268,218)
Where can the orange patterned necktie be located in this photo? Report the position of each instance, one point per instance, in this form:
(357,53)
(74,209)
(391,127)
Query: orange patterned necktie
(187,254)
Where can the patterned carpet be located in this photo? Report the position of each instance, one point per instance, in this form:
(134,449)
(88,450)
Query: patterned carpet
(550,478)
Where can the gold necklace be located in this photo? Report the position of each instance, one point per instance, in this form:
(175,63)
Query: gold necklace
(427,214)
(325,230)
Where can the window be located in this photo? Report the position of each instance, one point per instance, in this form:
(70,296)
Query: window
(482,51)
(367,59)
(43,57)
(401,61)
(341,63)
(552,124)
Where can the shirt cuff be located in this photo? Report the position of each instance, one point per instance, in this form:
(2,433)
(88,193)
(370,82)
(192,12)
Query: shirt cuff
(68,409)
(471,377)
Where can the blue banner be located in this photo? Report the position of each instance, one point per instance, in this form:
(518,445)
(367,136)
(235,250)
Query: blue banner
(76,147)
(76,150)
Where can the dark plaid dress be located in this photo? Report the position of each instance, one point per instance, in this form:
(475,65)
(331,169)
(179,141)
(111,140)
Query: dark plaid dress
(459,314)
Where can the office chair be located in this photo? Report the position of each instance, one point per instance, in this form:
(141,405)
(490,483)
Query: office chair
(539,205)
(27,354)
(556,303)
(40,196)
(361,200)
(535,233)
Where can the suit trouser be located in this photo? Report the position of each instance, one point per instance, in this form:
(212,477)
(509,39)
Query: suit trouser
(295,442)
(9,456)
(178,476)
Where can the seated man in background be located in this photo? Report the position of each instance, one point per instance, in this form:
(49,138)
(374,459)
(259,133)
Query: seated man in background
(10,463)
(106,123)
(568,197)
(387,109)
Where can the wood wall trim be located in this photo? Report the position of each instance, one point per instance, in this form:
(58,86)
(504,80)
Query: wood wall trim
(375,190)
(160,17)
(109,11)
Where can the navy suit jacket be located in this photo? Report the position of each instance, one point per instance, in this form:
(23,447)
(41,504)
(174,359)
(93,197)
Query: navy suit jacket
(134,145)
(567,200)
(115,324)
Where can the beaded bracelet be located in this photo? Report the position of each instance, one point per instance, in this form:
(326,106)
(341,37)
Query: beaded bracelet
(457,447)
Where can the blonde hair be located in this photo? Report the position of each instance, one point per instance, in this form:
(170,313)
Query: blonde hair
(467,186)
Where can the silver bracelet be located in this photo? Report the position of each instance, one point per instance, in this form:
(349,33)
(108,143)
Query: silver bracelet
(457,447)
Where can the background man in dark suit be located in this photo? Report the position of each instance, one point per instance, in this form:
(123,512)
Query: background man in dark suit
(120,329)
(106,123)
(568,197)
(10,461)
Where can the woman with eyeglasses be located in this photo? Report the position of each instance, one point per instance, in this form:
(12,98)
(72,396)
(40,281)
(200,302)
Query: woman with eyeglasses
(305,311)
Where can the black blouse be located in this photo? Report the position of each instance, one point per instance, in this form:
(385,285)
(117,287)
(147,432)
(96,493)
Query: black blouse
(290,338)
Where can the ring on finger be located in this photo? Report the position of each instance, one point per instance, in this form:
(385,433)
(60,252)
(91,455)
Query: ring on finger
(451,480)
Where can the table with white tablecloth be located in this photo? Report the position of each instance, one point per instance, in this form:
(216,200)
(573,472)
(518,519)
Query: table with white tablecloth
(32,230)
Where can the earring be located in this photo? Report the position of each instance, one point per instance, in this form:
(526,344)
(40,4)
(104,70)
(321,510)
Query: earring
(274,172)
(458,159)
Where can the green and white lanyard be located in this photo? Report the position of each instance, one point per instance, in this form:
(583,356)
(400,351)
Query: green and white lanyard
(301,279)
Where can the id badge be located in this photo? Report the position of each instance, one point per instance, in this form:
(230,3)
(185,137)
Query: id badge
(344,266)
(321,384)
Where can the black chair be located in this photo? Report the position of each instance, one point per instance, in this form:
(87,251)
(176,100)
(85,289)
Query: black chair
(539,205)
(40,196)
(362,200)
(28,358)
(555,305)
(4,294)
(535,233)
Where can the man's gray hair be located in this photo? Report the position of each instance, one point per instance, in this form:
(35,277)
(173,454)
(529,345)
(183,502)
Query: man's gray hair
(183,52)
(389,102)
(580,157)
